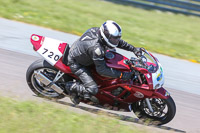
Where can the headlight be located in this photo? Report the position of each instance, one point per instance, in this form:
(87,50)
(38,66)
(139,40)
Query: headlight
(157,86)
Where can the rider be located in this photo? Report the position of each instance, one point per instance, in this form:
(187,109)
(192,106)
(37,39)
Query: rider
(90,49)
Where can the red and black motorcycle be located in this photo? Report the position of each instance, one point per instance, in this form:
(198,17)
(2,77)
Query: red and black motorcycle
(143,94)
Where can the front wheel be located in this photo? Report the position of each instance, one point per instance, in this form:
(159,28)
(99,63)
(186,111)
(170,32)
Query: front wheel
(164,110)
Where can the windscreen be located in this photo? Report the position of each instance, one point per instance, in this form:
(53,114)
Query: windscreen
(150,63)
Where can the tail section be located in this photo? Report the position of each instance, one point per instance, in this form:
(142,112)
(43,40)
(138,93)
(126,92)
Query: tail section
(52,51)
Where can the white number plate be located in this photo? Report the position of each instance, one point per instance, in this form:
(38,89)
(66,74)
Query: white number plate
(49,50)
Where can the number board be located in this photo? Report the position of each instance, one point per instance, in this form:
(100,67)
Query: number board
(49,50)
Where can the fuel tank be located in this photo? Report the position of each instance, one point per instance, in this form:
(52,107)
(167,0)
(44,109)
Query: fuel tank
(117,61)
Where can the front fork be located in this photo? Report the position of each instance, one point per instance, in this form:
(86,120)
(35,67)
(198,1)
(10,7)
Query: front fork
(159,93)
(149,105)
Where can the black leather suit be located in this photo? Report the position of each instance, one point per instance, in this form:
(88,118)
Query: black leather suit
(87,50)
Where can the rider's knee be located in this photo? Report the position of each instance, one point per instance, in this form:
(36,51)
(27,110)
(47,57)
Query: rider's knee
(93,89)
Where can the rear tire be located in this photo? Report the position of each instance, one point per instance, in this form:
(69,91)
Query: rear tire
(165,110)
(35,85)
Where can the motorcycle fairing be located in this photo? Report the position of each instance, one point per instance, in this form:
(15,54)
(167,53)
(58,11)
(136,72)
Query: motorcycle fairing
(158,78)
(156,74)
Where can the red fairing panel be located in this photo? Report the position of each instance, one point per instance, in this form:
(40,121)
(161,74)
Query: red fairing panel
(161,93)
(59,65)
(61,47)
(118,62)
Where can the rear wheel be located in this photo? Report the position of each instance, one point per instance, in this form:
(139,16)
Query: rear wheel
(164,110)
(39,88)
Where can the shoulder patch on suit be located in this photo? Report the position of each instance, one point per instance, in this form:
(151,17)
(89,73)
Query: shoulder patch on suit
(92,30)
(98,51)
(86,38)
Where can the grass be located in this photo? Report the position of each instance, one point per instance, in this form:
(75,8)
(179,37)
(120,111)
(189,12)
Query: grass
(32,117)
(171,34)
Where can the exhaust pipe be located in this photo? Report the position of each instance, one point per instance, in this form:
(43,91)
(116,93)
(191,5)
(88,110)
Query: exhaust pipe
(42,78)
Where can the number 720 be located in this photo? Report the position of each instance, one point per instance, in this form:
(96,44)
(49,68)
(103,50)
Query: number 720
(51,54)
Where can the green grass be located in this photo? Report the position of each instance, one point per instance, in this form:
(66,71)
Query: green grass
(167,33)
(32,117)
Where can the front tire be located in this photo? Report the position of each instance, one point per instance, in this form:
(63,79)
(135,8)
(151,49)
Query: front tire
(36,86)
(164,110)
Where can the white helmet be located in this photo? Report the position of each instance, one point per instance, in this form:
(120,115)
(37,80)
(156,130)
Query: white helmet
(111,33)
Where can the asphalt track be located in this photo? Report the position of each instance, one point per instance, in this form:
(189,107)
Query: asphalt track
(16,55)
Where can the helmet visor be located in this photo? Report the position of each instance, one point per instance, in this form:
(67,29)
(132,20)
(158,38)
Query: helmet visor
(114,40)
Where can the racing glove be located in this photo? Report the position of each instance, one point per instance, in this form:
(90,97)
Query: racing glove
(137,52)
(126,75)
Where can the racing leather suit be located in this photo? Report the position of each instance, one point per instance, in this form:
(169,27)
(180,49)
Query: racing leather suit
(87,50)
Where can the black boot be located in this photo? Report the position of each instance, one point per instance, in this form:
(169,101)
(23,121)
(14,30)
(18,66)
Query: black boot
(77,91)
(70,89)
(83,92)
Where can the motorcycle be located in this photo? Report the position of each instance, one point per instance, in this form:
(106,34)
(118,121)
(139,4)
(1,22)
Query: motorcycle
(142,95)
